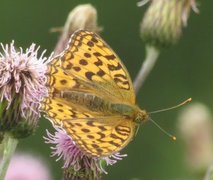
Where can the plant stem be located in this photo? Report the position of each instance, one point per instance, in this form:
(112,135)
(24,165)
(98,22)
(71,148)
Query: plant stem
(10,144)
(209,173)
(152,54)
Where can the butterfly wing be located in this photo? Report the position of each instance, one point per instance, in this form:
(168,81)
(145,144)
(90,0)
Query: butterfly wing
(96,135)
(58,80)
(99,137)
(89,59)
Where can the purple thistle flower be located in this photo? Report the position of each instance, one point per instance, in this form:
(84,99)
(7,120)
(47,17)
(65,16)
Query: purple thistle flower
(22,87)
(77,164)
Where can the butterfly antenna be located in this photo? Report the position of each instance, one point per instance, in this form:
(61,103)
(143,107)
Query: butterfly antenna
(164,131)
(174,107)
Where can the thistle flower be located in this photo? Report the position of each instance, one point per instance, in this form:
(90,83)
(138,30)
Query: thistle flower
(22,86)
(77,164)
(195,126)
(163,22)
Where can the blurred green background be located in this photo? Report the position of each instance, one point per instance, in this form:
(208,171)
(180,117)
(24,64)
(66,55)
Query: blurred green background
(182,71)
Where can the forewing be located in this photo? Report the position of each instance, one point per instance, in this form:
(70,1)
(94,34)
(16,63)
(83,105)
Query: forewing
(58,80)
(90,59)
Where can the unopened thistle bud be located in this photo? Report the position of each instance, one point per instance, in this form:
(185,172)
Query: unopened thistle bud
(22,86)
(81,17)
(163,22)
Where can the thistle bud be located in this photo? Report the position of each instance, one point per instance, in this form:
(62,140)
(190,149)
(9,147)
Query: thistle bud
(81,17)
(163,22)
(22,87)
(195,126)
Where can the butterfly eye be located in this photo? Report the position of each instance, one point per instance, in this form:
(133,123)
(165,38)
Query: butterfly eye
(138,120)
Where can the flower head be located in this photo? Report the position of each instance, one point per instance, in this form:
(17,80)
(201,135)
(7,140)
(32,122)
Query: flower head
(164,19)
(22,87)
(77,164)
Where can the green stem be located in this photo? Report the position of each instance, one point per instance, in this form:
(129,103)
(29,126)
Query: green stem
(10,144)
(152,54)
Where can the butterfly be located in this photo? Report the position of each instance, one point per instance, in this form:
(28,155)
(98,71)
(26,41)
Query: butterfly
(91,95)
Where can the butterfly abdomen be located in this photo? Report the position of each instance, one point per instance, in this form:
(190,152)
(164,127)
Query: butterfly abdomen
(86,100)
(98,104)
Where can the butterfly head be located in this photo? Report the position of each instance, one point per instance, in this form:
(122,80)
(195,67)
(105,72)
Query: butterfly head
(141,117)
